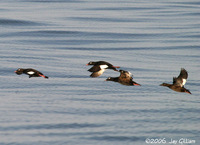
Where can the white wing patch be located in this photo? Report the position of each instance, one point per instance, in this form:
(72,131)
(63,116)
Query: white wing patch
(103,66)
(184,81)
(129,73)
(30,72)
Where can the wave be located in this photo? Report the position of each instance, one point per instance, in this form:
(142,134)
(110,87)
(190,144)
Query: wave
(118,138)
(12,22)
(51,126)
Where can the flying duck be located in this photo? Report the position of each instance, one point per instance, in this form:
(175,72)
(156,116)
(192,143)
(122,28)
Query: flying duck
(179,82)
(125,78)
(31,72)
(99,67)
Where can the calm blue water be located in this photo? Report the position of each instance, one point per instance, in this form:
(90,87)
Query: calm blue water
(152,39)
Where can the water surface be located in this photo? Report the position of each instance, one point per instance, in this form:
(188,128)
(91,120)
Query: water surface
(151,39)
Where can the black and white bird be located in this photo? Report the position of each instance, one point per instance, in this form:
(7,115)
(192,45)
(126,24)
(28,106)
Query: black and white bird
(31,72)
(125,78)
(99,67)
(179,82)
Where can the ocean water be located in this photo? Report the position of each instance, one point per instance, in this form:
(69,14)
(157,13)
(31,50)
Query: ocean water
(152,39)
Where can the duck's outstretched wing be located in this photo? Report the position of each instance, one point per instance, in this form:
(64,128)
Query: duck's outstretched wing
(181,79)
(125,74)
(97,74)
(94,69)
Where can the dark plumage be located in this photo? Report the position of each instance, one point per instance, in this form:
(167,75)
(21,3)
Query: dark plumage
(125,78)
(179,82)
(31,72)
(99,67)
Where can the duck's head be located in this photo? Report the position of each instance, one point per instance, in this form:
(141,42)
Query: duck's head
(19,71)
